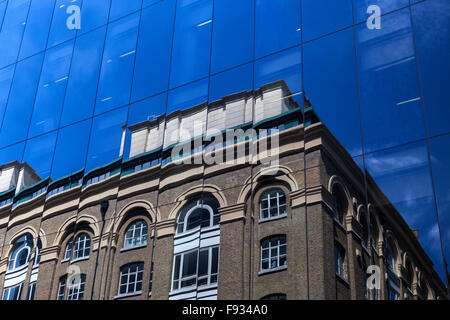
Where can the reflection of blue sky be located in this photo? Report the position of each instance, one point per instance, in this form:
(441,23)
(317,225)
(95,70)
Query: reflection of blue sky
(440,159)
(220,39)
(403,174)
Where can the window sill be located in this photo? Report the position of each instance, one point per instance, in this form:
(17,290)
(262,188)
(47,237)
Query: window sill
(273,218)
(65,260)
(342,279)
(263,272)
(79,259)
(134,294)
(133,248)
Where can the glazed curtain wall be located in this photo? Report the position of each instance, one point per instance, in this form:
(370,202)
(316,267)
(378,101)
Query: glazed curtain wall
(66,93)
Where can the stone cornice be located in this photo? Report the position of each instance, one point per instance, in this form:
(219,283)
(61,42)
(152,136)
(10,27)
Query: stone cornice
(165,228)
(232,213)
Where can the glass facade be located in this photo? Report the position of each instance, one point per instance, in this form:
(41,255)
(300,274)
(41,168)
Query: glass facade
(66,93)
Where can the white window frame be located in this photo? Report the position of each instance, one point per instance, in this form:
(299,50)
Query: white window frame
(76,290)
(128,273)
(136,230)
(200,205)
(278,256)
(270,197)
(208,276)
(68,251)
(14,260)
(9,290)
(77,249)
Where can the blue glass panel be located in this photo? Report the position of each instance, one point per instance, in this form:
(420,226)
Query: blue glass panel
(117,65)
(440,158)
(326,16)
(331,86)
(389,85)
(230,82)
(20,103)
(37,28)
(192,42)
(147,109)
(403,175)
(432,31)
(188,96)
(12,153)
(233,33)
(106,136)
(84,75)
(39,153)
(284,66)
(2,11)
(277,25)
(12,30)
(94,13)
(150,2)
(6,76)
(361,7)
(154,47)
(71,149)
(59,31)
(120,8)
(52,86)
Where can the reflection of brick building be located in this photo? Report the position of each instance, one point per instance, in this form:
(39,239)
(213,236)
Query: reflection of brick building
(221,231)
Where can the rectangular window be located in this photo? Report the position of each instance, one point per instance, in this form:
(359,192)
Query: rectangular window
(62,287)
(339,261)
(131,278)
(13,293)
(273,253)
(31,291)
(76,288)
(196,268)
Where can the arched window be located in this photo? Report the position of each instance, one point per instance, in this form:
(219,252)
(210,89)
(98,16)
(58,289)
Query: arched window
(131,278)
(275,296)
(21,252)
(374,232)
(273,253)
(272,204)
(68,251)
(391,257)
(364,227)
(339,203)
(82,246)
(136,234)
(409,276)
(196,250)
(201,213)
(339,261)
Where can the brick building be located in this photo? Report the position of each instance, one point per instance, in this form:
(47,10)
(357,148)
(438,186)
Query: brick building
(302,221)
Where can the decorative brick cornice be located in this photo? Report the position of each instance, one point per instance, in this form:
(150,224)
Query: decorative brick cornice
(232,213)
